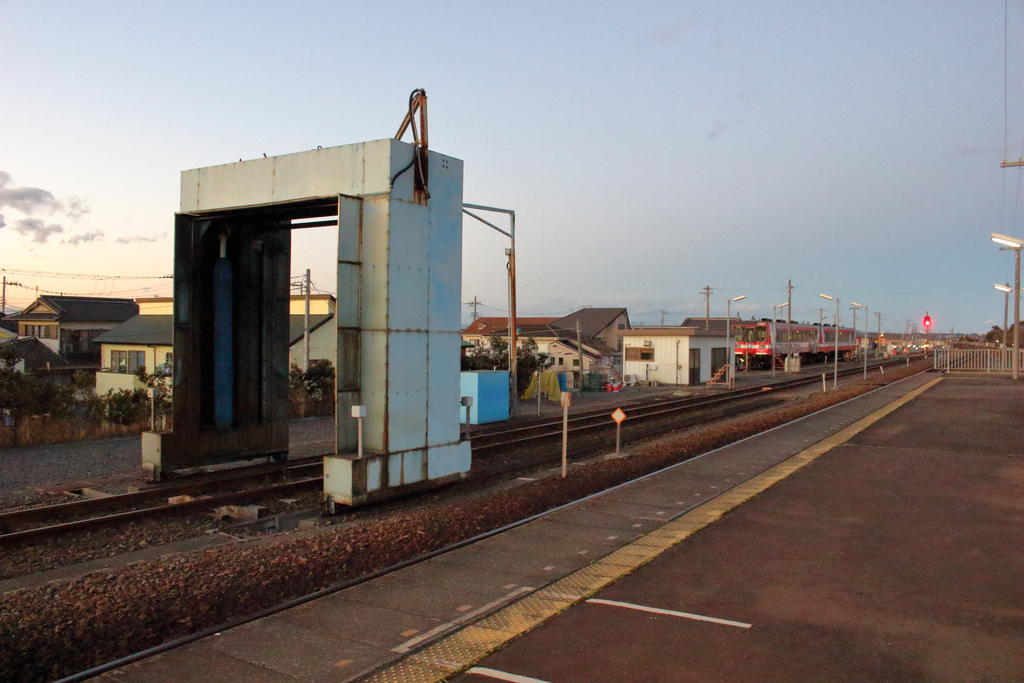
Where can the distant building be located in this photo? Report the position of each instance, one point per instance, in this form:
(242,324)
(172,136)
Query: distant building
(147,340)
(599,332)
(69,325)
(674,355)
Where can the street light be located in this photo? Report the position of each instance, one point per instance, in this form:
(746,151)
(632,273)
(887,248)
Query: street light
(835,354)
(1015,244)
(854,306)
(1005,289)
(511,268)
(730,356)
(775,340)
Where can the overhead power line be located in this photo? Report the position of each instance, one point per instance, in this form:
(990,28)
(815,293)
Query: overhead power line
(82,276)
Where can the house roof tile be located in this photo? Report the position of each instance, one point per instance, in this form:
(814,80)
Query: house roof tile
(82,309)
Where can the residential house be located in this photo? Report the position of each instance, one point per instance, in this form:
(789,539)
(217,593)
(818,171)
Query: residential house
(602,325)
(484,328)
(34,356)
(147,340)
(69,325)
(8,329)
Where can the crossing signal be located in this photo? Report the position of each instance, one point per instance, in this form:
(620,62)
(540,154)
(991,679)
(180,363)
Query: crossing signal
(927,322)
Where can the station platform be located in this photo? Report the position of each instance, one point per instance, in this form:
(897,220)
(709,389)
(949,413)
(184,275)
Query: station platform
(878,539)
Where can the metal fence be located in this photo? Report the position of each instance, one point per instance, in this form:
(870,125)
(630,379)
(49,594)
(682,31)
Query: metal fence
(976,360)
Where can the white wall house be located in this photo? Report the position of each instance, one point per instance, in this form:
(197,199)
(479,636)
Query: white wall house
(672,355)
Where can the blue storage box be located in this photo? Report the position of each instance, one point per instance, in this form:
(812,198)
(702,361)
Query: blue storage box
(489,389)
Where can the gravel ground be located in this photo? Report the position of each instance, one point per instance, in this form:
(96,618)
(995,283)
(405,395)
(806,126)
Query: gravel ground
(111,463)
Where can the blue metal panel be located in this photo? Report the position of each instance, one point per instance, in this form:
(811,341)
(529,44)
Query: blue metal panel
(407,390)
(395,469)
(409,294)
(446,460)
(412,466)
(489,389)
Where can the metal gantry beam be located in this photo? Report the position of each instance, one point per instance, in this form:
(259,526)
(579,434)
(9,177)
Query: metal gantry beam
(511,267)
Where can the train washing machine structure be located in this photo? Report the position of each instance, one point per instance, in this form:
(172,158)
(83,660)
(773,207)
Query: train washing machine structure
(398,314)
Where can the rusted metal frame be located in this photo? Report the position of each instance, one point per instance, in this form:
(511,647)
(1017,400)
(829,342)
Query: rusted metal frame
(418,104)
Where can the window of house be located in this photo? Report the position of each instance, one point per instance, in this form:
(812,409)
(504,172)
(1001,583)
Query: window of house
(639,353)
(127,361)
(575,362)
(561,361)
(40,331)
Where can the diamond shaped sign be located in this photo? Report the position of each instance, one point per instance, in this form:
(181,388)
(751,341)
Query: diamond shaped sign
(618,415)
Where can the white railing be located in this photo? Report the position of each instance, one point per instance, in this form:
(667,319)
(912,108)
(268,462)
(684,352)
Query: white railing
(976,360)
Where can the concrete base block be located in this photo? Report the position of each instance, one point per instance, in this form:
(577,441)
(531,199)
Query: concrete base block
(349,480)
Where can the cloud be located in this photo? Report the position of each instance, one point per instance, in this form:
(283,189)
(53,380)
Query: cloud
(84,237)
(75,207)
(721,126)
(31,200)
(38,229)
(2,223)
(25,199)
(139,238)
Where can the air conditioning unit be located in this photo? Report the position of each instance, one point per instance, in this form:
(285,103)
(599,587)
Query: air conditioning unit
(648,342)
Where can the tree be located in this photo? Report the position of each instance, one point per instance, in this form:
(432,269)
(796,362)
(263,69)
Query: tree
(494,356)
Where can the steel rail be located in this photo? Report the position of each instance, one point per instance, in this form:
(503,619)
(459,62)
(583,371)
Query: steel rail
(586,422)
(213,480)
(128,515)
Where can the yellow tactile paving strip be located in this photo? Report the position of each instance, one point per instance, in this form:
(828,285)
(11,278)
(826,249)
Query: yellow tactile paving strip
(457,652)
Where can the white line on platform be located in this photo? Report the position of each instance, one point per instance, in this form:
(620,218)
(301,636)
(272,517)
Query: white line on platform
(503,676)
(671,613)
(433,633)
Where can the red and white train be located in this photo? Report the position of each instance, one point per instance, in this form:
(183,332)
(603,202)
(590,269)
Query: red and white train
(755,343)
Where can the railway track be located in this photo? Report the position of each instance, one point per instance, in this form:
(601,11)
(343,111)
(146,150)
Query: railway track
(238,620)
(305,473)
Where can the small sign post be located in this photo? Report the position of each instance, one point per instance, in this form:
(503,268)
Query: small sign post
(618,416)
(566,402)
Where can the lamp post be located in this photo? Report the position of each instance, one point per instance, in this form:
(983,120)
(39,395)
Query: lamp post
(730,356)
(853,307)
(1005,289)
(511,268)
(775,340)
(835,353)
(1015,244)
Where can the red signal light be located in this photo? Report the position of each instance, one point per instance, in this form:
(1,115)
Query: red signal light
(927,322)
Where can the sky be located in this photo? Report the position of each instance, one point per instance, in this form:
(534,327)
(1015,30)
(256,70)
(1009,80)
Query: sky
(647,148)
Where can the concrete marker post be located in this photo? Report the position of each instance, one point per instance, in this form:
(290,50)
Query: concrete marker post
(824,390)
(466,401)
(359,412)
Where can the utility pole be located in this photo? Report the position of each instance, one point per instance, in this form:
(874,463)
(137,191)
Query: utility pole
(1006,313)
(789,317)
(3,302)
(707,306)
(663,314)
(579,349)
(305,339)
(474,303)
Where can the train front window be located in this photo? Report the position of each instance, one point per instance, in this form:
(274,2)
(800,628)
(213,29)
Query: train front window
(752,335)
